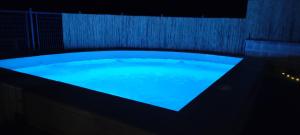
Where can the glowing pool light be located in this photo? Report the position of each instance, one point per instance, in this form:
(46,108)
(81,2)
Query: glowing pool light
(165,79)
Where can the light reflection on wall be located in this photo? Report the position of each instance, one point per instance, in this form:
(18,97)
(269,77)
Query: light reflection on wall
(266,20)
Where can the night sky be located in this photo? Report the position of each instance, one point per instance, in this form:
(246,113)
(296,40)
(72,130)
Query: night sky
(199,8)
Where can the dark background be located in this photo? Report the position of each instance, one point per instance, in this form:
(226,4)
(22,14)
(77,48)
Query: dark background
(193,8)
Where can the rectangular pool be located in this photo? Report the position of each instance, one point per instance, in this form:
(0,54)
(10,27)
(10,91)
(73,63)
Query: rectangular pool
(168,80)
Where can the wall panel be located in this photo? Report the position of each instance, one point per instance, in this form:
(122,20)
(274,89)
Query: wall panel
(266,20)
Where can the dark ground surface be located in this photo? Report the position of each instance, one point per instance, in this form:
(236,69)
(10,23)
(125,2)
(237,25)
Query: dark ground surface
(277,108)
(276,111)
(21,129)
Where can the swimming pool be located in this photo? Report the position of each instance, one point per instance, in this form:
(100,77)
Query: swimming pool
(169,80)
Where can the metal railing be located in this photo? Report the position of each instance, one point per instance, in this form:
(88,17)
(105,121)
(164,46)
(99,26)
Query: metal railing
(30,31)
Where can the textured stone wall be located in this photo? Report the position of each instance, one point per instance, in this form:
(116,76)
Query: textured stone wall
(266,20)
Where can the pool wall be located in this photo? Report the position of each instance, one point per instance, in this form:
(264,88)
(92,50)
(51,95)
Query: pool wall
(55,117)
(91,55)
(60,108)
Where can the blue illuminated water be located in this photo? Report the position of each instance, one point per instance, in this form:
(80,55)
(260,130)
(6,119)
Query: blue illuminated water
(163,82)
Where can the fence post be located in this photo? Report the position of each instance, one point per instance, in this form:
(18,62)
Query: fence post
(32,29)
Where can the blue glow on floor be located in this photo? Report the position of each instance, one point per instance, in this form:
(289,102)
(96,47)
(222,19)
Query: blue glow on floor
(167,83)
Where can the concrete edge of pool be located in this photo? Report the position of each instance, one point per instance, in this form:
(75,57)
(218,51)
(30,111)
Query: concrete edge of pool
(153,119)
(72,56)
